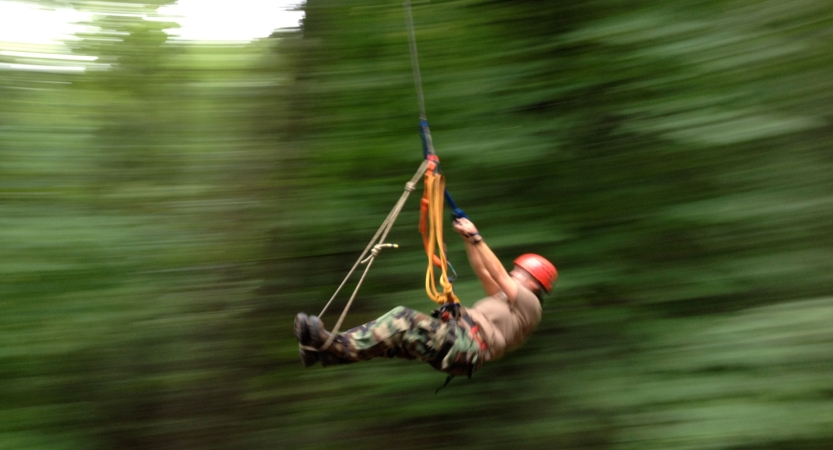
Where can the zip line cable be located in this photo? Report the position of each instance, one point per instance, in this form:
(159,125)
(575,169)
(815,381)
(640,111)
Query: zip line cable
(409,21)
(425,132)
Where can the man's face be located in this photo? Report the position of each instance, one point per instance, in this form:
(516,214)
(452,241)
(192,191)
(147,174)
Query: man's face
(523,278)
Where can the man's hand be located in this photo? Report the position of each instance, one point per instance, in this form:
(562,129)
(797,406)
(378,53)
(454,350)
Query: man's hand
(467,230)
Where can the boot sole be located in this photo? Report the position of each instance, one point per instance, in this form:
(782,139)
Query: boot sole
(302,329)
(302,334)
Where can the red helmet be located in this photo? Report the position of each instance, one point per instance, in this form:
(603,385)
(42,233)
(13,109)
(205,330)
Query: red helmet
(540,269)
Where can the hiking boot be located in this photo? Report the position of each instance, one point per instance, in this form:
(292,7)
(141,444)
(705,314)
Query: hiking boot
(317,333)
(302,333)
(318,336)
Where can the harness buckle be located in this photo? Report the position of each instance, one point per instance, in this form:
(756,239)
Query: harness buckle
(447,311)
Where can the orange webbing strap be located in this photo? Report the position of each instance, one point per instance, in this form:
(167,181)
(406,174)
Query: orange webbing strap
(431,227)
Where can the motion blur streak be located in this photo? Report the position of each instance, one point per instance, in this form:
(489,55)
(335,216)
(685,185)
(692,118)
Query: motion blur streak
(48,56)
(171,197)
(37,68)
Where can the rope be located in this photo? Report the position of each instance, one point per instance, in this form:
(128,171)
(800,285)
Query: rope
(431,227)
(432,200)
(425,132)
(374,247)
(409,20)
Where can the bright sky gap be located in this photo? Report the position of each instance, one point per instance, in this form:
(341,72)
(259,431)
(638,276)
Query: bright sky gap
(30,32)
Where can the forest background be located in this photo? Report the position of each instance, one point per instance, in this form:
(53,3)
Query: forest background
(164,215)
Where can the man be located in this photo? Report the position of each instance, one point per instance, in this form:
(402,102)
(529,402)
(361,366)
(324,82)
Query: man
(457,342)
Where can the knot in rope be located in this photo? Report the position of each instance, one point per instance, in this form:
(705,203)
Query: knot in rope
(410,186)
(376,249)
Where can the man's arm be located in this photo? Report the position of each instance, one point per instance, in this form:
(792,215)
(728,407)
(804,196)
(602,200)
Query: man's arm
(486,265)
(489,284)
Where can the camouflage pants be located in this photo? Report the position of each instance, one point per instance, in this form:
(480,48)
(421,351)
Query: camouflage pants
(405,333)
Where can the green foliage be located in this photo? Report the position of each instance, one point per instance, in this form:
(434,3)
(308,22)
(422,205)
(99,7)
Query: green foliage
(162,221)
